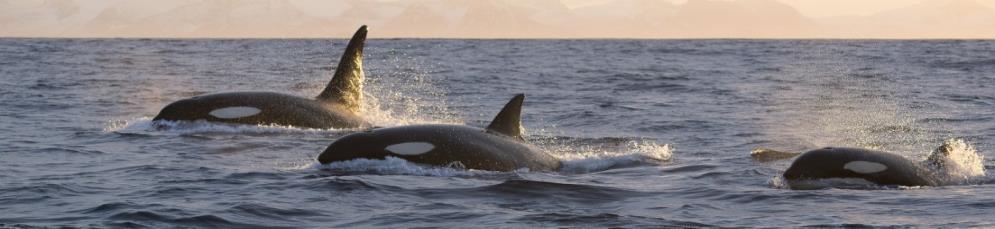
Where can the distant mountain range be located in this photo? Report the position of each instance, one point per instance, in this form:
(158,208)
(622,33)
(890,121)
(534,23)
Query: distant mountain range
(482,19)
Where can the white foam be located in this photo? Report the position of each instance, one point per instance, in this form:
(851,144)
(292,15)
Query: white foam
(778,182)
(234,112)
(632,153)
(865,167)
(963,165)
(410,148)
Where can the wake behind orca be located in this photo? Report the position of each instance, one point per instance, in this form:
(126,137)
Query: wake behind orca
(338,106)
(499,147)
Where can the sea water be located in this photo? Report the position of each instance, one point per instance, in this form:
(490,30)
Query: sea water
(652,132)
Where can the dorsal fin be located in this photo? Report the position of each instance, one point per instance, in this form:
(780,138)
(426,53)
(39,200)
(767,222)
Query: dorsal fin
(767,155)
(346,87)
(509,120)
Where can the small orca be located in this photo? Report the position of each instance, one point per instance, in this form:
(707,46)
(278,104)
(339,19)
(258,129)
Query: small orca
(499,147)
(878,167)
(338,106)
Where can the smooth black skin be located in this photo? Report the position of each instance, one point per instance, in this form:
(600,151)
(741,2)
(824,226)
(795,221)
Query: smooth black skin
(275,108)
(336,107)
(828,163)
(499,147)
(475,148)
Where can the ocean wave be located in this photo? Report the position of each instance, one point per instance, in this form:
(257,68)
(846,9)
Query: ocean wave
(607,220)
(270,212)
(153,219)
(547,191)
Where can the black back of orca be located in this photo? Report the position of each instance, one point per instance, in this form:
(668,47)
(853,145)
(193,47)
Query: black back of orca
(500,147)
(874,166)
(261,108)
(338,106)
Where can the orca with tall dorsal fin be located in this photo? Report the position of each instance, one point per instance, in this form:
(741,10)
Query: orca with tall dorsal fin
(338,106)
(499,147)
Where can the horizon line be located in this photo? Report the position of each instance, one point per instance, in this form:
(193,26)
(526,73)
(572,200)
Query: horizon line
(490,38)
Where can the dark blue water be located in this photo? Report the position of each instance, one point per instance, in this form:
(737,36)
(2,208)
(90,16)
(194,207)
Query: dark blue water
(653,132)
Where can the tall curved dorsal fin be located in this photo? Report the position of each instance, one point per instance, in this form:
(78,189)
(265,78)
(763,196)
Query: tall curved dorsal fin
(509,120)
(346,87)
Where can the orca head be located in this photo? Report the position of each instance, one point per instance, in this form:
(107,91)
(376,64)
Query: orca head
(185,109)
(814,164)
(203,108)
(353,146)
(371,145)
(172,111)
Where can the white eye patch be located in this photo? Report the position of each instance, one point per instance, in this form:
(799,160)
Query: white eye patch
(235,112)
(410,148)
(865,167)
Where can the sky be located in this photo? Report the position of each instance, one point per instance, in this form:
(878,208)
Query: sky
(875,19)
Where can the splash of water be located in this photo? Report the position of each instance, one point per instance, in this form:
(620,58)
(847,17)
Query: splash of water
(850,110)
(778,182)
(582,160)
(404,95)
(962,163)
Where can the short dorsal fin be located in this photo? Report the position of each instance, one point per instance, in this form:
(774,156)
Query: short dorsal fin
(767,155)
(509,120)
(346,87)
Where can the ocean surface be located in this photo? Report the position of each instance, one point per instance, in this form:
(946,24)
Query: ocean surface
(652,133)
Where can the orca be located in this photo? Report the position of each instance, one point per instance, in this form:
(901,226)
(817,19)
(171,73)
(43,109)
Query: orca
(878,167)
(338,106)
(499,147)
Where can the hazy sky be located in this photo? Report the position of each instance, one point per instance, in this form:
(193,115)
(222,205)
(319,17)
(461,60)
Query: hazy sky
(501,18)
